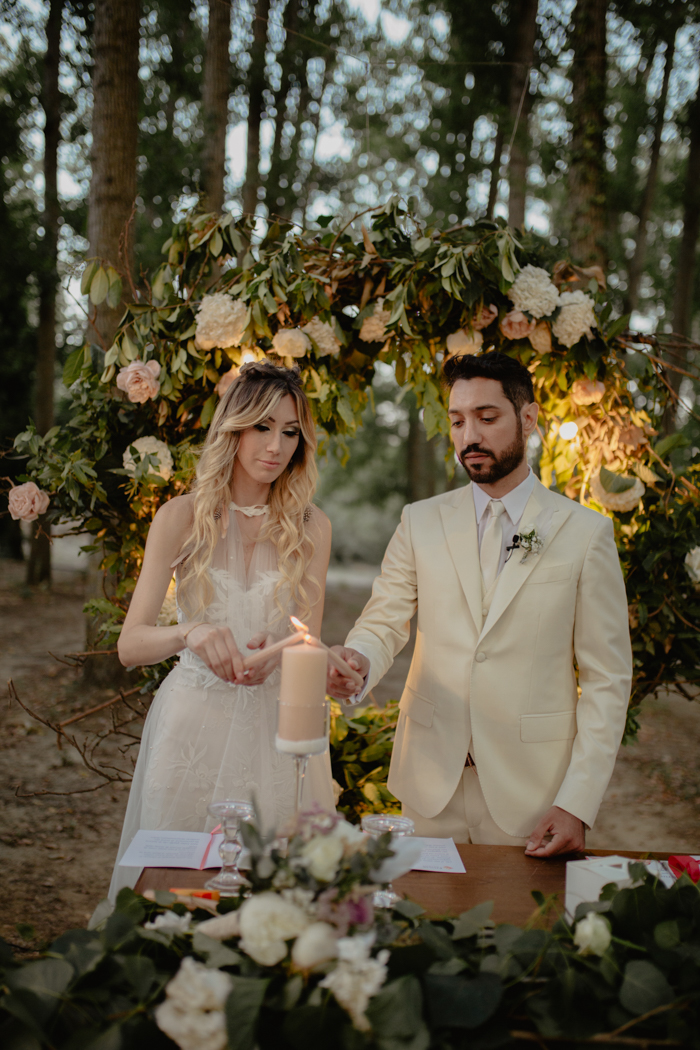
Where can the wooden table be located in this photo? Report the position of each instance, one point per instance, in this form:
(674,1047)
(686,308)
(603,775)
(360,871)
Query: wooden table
(502,874)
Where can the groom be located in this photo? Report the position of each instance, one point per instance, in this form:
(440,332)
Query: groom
(515,702)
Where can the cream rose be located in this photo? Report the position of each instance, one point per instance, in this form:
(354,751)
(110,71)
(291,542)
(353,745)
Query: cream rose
(587,392)
(170,922)
(576,318)
(321,856)
(267,921)
(152,446)
(221,322)
(486,315)
(192,1014)
(592,935)
(373,328)
(291,342)
(463,342)
(692,564)
(316,944)
(515,325)
(26,502)
(139,381)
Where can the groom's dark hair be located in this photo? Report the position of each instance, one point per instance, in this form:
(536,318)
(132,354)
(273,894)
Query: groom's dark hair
(513,377)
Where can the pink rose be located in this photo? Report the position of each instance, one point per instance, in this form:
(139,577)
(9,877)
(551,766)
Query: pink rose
(515,325)
(587,392)
(483,319)
(27,502)
(226,380)
(140,380)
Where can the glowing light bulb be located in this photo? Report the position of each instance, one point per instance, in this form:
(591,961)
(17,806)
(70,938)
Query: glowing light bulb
(568,431)
(247,356)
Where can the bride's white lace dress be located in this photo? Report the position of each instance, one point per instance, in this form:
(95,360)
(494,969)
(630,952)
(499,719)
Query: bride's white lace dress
(206,740)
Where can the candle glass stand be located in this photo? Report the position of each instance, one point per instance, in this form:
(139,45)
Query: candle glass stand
(376,825)
(302,731)
(230,814)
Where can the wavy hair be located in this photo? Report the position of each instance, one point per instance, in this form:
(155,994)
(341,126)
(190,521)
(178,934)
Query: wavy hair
(251,398)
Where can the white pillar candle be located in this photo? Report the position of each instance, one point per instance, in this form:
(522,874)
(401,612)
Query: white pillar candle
(302,693)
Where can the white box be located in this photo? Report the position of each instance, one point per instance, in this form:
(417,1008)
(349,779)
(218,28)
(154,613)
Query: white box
(586,878)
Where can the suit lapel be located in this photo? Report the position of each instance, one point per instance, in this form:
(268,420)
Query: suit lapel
(516,571)
(459,523)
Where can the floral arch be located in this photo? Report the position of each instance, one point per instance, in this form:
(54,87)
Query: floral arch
(336,303)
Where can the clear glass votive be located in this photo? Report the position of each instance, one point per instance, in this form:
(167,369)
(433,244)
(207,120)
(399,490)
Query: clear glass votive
(376,825)
(230,813)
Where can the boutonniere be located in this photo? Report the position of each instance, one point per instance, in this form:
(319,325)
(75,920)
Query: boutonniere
(530,539)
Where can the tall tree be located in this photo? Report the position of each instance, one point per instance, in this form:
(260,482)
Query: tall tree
(256,94)
(39,564)
(115,86)
(587,176)
(215,93)
(524,15)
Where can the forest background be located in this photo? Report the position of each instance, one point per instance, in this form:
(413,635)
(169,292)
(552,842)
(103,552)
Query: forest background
(579,120)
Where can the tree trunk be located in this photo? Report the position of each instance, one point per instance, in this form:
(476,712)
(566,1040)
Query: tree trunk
(39,564)
(687,252)
(215,92)
(495,171)
(519,104)
(638,260)
(276,197)
(420,458)
(587,177)
(256,91)
(115,88)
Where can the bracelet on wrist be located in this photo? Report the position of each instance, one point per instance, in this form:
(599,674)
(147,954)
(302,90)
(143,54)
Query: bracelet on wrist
(189,630)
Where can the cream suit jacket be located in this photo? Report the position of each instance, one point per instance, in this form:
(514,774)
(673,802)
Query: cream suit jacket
(503,686)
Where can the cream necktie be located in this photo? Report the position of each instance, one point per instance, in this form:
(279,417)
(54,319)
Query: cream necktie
(492,545)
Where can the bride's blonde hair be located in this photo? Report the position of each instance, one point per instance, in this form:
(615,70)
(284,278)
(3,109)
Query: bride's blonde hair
(251,398)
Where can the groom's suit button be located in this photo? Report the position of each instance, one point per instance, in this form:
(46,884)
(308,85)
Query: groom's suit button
(480,657)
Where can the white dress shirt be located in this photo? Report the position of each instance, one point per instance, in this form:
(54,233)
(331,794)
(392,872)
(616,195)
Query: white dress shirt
(514,502)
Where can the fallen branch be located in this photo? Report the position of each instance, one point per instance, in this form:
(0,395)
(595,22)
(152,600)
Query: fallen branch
(121,695)
(78,659)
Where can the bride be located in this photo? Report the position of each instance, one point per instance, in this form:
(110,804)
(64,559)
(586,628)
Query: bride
(248,548)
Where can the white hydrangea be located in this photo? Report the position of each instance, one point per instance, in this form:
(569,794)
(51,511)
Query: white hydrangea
(592,935)
(373,328)
(575,319)
(291,342)
(692,564)
(221,322)
(267,921)
(622,502)
(357,977)
(464,342)
(533,292)
(192,1014)
(152,446)
(323,336)
(321,856)
(316,944)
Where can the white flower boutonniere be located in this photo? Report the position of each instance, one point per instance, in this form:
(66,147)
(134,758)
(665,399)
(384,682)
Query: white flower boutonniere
(530,539)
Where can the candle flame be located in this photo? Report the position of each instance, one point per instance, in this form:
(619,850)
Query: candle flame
(298,625)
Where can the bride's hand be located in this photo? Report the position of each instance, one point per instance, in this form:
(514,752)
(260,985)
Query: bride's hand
(217,648)
(257,674)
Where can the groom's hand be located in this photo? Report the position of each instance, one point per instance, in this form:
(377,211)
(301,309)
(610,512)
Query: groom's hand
(337,685)
(557,832)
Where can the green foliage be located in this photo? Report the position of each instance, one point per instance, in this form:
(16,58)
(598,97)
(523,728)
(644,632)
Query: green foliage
(360,754)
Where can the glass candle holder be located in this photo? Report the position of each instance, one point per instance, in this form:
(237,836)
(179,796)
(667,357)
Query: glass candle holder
(376,825)
(302,731)
(230,813)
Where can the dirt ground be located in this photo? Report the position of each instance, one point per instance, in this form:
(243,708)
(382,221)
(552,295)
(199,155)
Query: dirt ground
(56,851)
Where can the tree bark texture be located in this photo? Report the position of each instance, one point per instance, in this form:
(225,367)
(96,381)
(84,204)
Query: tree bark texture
(686,261)
(115,88)
(519,104)
(587,175)
(420,459)
(495,171)
(256,92)
(39,564)
(638,260)
(215,93)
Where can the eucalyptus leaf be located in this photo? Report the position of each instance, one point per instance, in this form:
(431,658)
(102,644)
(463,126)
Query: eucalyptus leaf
(615,482)
(471,922)
(242,1011)
(99,287)
(644,987)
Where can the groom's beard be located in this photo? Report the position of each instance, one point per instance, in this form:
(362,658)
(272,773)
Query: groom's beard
(498,467)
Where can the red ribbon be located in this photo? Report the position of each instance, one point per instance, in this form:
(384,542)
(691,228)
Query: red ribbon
(683,863)
(213,832)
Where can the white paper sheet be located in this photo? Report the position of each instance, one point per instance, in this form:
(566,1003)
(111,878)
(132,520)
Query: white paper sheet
(171,849)
(439,855)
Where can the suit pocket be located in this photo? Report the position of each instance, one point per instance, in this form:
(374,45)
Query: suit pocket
(417,707)
(536,729)
(551,573)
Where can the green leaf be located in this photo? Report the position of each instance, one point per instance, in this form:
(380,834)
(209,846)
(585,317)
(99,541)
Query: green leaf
(668,443)
(140,972)
(615,482)
(114,295)
(208,410)
(216,243)
(667,934)
(422,245)
(470,922)
(396,1016)
(81,948)
(73,366)
(459,1002)
(46,980)
(99,287)
(88,274)
(242,1011)
(644,987)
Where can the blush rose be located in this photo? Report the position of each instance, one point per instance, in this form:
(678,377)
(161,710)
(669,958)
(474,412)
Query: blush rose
(139,381)
(26,502)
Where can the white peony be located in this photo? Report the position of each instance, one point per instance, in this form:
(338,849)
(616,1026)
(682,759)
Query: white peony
(192,1014)
(221,322)
(373,328)
(533,292)
(357,977)
(170,922)
(222,927)
(267,922)
(350,834)
(291,342)
(464,342)
(576,318)
(149,446)
(407,851)
(323,337)
(692,564)
(592,935)
(321,856)
(622,502)
(316,944)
